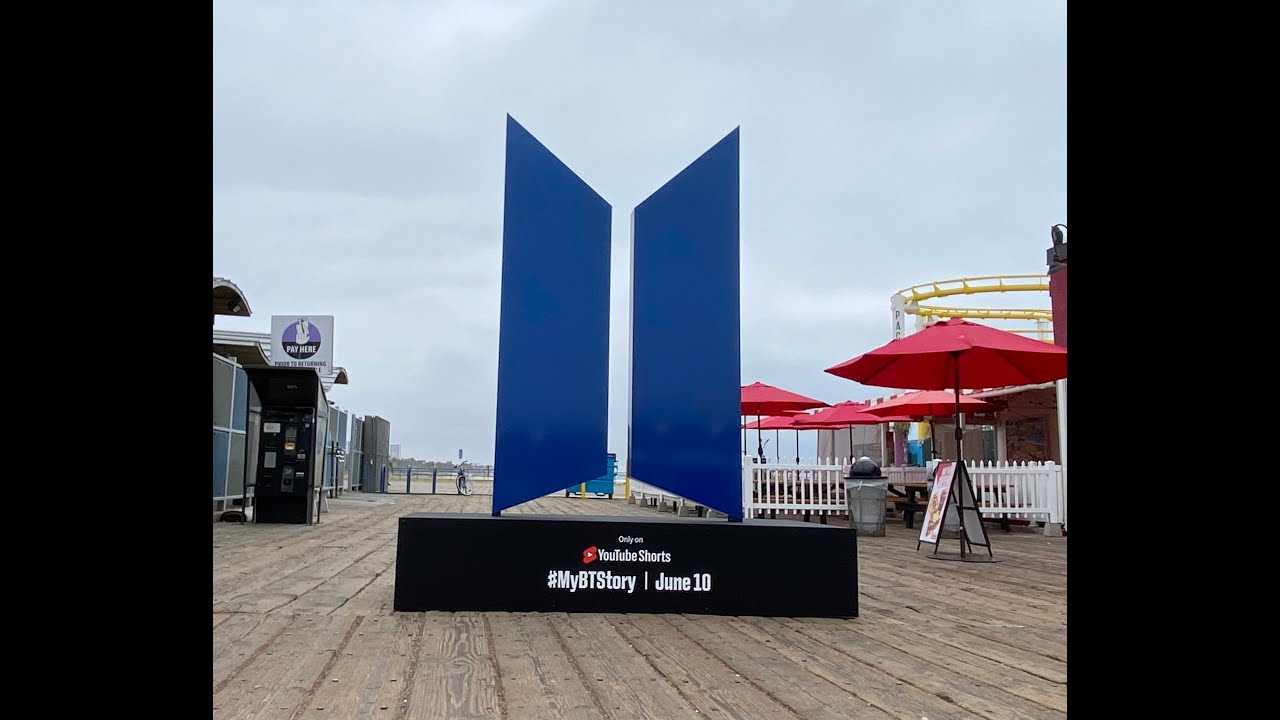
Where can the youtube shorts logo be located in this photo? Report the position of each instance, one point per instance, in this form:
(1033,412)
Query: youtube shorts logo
(590,555)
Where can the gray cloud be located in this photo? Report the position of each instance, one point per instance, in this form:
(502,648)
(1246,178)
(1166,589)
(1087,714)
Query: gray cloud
(358,169)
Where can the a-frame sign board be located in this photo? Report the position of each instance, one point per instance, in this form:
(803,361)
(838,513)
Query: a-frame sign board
(953,491)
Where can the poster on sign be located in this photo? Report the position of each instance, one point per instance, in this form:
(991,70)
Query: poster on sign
(938,502)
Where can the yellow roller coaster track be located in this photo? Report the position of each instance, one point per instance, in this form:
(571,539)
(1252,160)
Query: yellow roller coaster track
(913,296)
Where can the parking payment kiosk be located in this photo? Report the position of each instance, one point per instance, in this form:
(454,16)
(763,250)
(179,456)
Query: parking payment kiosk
(288,451)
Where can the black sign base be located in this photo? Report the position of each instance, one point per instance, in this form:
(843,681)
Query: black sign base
(576,563)
(969,557)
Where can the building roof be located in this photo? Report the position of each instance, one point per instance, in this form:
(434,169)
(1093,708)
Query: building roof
(228,299)
(254,349)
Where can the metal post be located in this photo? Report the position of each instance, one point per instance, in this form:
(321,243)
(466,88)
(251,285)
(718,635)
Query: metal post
(1052,529)
(408,480)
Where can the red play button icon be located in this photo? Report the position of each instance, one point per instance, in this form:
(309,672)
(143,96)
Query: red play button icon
(590,555)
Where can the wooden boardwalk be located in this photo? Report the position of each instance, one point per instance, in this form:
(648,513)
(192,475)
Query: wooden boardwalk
(303,628)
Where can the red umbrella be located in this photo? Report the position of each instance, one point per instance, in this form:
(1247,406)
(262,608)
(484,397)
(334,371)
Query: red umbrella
(956,354)
(813,421)
(845,414)
(778,423)
(761,399)
(928,403)
(851,414)
(945,354)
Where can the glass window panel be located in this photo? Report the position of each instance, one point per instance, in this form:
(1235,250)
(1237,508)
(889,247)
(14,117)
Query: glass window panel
(235,466)
(220,443)
(240,401)
(222,377)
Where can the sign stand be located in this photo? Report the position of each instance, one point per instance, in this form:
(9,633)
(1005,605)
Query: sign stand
(953,489)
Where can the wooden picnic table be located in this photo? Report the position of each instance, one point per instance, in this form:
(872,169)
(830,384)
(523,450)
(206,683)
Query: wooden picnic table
(908,496)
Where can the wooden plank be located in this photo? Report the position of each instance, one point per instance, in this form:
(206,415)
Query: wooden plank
(960,601)
(987,701)
(610,668)
(538,676)
(233,537)
(294,584)
(297,557)
(976,644)
(921,570)
(229,589)
(453,676)
(239,641)
(370,675)
(981,669)
(1051,643)
(337,590)
(712,687)
(971,613)
(895,698)
(265,546)
(1054,647)
(283,675)
(376,598)
(799,691)
(901,553)
(1032,573)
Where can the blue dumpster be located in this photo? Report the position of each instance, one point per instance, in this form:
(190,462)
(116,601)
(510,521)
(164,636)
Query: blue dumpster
(602,485)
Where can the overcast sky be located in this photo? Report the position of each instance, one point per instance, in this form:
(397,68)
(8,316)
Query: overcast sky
(358,170)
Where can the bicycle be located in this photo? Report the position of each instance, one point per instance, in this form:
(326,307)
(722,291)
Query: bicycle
(464,487)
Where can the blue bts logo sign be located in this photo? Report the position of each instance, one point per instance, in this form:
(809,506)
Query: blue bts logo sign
(553,352)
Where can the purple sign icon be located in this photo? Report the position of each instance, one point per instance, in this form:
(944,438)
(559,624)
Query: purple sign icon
(301,339)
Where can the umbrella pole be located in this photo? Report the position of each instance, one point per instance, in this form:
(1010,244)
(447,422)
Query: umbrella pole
(850,444)
(797,447)
(777,446)
(759,442)
(959,427)
(744,439)
(964,533)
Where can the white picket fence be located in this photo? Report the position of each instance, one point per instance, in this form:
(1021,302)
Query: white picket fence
(645,494)
(1023,491)
(812,489)
(1028,490)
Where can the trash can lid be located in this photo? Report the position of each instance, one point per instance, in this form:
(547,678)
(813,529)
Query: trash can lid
(865,468)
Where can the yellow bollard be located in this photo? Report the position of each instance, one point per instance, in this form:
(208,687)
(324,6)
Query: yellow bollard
(626,485)
(582,490)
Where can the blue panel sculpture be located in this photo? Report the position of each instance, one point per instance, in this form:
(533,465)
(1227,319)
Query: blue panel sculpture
(685,334)
(553,347)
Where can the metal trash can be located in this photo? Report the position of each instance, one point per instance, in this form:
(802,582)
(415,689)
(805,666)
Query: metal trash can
(865,495)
